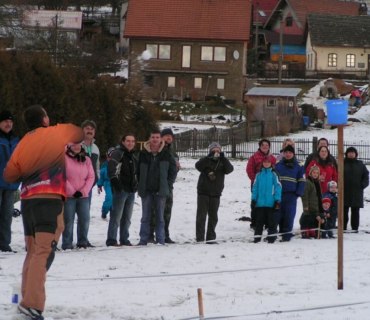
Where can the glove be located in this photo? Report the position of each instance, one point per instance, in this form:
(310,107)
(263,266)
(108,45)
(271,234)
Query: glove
(277,205)
(222,155)
(253,204)
(77,194)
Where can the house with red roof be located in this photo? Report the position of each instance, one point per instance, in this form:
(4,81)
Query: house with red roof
(188,50)
(290,18)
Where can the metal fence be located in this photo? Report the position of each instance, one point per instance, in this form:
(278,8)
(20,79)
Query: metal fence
(195,143)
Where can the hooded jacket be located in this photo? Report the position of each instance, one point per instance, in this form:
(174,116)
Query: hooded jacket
(156,171)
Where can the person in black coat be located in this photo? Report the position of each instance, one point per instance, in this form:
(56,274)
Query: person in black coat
(212,170)
(356,179)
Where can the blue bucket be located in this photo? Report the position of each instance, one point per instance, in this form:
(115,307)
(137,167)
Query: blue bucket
(306,121)
(337,111)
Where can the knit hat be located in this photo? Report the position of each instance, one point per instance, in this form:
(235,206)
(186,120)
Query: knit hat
(6,115)
(110,150)
(351,149)
(326,200)
(314,168)
(332,184)
(214,145)
(289,148)
(90,123)
(167,131)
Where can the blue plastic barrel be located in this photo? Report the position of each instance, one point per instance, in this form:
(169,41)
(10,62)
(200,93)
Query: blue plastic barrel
(337,111)
(306,121)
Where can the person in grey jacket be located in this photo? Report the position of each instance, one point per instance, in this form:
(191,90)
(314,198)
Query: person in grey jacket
(213,169)
(156,175)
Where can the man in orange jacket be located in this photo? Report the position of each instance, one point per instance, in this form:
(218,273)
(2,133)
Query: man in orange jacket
(38,162)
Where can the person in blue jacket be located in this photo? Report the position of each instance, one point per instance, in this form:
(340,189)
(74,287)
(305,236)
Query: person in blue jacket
(8,142)
(104,182)
(266,197)
(291,175)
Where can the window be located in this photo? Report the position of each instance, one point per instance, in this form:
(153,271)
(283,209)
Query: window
(220,84)
(220,54)
(198,83)
(209,53)
(149,81)
(288,21)
(186,54)
(350,61)
(271,102)
(161,51)
(171,82)
(332,60)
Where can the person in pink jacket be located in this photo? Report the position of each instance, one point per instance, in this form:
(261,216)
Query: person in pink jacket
(80,179)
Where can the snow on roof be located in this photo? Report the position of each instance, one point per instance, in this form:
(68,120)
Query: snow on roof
(267,91)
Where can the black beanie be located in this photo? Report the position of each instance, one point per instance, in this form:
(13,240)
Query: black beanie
(351,149)
(167,131)
(289,148)
(6,115)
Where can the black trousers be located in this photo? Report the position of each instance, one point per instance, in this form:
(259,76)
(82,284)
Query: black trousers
(355,218)
(207,206)
(265,216)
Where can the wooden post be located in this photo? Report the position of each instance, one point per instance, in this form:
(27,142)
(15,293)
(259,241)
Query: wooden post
(200,304)
(340,206)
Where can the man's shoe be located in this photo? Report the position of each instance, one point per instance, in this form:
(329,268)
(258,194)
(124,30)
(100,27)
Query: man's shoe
(141,244)
(30,312)
(6,249)
(85,245)
(126,243)
(211,242)
(169,240)
(111,243)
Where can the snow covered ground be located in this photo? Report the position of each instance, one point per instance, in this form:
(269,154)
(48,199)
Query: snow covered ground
(239,279)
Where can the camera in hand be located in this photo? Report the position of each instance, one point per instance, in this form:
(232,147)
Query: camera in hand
(211,176)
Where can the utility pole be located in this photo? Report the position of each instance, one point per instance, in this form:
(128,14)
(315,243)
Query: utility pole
(281,47)
(56,40)
(256,40)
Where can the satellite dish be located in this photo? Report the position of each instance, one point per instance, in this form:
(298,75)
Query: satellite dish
(236,54)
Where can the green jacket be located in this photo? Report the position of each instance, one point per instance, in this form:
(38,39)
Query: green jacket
(311,198)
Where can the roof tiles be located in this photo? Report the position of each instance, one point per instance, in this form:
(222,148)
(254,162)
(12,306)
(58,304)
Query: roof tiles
(189,19)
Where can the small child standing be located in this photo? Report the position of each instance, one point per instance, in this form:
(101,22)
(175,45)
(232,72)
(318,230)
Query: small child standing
(312,207)
(266,198)
(326,203)
(104,182)
(331,216)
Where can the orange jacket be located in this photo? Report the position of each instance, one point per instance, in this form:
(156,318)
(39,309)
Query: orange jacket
(38,160)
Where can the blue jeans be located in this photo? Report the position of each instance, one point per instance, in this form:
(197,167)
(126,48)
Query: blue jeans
(6,216)
(123,204)
(72,206)
(158,203)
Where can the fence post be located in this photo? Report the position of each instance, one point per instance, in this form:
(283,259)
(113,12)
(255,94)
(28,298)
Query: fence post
(314,144)
(194,142)
(233,145)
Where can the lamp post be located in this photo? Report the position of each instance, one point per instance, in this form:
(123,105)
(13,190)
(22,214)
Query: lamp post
(281,16)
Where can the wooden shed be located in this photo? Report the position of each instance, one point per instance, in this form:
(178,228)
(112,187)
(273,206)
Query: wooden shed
(275,108)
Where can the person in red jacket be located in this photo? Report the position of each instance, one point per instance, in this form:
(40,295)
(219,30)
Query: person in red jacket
(38,162)
(328,169)
(254,166)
